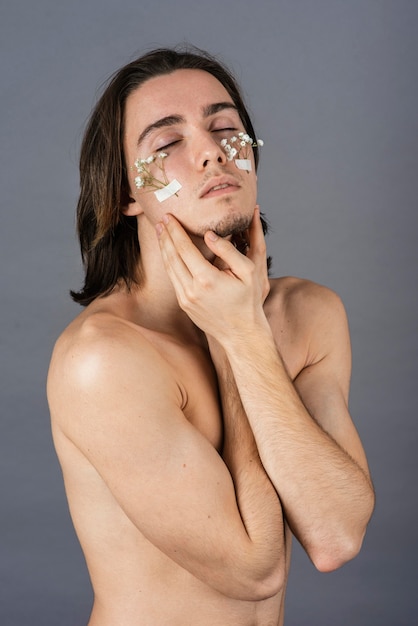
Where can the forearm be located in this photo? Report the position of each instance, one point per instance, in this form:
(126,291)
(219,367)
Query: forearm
(257,499)
(327,498)
(326,495)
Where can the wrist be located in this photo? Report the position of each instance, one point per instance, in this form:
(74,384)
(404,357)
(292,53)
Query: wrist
(247,336)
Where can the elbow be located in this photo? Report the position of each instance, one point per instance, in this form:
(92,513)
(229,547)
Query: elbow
(257,591)
(254,585)
(336,553)
(332,552)
(266,586)
(251,577)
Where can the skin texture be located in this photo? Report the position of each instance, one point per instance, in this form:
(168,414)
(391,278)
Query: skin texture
(202,417)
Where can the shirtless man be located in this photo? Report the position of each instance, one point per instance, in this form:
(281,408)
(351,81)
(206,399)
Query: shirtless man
(199,409)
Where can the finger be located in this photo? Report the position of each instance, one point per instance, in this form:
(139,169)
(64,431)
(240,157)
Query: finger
(177,270)
(257,251)
(228,254)
(188,252)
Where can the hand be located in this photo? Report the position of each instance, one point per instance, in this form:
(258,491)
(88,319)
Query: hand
(220,297)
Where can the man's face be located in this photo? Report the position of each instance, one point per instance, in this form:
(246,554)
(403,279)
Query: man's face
(186,114)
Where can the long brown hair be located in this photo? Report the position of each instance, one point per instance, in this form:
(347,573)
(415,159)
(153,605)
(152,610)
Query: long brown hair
(108,238)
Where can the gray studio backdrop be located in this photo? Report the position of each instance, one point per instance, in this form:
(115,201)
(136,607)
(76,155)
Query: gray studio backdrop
(333,89)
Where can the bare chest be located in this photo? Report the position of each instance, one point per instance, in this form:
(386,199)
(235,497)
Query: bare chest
(197,380)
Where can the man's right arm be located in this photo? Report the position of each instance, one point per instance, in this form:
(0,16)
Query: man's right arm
(114,397)
(241,456)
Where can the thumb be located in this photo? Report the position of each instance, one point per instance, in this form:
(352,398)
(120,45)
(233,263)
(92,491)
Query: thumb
(228,255)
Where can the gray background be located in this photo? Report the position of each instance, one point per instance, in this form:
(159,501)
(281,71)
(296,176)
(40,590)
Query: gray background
(333,89)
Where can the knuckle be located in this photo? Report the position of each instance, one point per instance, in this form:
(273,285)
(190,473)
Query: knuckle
(204,284)
(189,296)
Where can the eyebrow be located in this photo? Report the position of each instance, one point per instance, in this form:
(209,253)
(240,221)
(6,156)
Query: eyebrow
(171,120)
(211,109)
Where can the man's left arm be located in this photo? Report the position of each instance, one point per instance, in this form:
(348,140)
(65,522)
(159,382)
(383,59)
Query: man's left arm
(304,434)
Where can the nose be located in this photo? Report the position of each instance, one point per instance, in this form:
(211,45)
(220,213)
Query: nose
(209,152)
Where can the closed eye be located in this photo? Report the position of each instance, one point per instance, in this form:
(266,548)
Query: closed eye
(168,145)
(224,130)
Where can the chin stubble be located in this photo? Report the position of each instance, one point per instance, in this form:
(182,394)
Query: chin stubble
(231,225)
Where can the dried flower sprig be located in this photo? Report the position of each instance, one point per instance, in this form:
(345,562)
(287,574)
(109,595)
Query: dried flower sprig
(238,148)
(163,189)
(145,178)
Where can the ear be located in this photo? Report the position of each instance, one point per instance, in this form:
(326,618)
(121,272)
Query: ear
(128,205)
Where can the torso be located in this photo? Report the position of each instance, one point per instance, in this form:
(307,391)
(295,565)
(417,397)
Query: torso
(134,583)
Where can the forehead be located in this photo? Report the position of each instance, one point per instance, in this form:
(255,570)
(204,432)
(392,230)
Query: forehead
(184,92)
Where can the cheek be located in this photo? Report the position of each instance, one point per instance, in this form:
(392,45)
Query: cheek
(176,169)
(155,203)
(252,184)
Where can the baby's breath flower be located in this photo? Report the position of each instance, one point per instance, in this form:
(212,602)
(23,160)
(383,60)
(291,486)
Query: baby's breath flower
(242,151)
(146,178)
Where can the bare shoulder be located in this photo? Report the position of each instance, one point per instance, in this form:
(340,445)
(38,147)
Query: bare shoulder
(97,354)
(89,333)
(307,318)
(87,344)
(299,295)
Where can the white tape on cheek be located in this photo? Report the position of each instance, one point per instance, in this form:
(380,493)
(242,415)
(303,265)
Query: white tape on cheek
(243,164)
(169,190)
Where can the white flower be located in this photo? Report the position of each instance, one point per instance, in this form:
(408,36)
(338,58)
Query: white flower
(242,150)
(157,179)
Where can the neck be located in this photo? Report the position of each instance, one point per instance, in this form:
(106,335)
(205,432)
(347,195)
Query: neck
(154,303)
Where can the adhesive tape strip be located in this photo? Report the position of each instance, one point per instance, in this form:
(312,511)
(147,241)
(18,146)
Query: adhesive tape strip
(169,190)
(243,164)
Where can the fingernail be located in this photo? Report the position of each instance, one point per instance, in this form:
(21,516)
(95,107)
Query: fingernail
(165,218)
(212,236)
(159,228)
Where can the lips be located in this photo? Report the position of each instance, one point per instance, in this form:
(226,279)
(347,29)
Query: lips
(219,183)
(224,186)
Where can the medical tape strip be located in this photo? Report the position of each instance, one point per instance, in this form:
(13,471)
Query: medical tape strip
(169,190)
(243,164)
